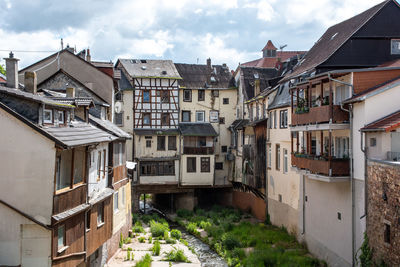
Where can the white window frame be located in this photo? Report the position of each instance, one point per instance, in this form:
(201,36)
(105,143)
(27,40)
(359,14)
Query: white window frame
(285,160)
(51,116)
(200,112)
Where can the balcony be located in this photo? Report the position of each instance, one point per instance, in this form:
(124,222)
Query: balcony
(319,114)
(198,150)
(322,166)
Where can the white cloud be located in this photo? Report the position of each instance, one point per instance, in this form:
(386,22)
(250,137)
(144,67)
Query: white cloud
(265,11)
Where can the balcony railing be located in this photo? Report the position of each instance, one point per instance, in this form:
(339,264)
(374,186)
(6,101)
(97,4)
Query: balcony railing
(198,150)
(318,165)
(319,114)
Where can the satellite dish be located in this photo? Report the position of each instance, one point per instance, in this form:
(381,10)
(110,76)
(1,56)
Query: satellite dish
(118,107)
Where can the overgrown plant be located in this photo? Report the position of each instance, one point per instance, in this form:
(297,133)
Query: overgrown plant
(176,255)
(156,248)
(145,261)
(366,253)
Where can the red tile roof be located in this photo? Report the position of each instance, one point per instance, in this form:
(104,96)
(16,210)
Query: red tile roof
(269,46)
(387,124)
(271,62)
(391,64)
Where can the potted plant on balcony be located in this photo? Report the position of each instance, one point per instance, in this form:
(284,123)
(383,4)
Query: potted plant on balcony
(325,102)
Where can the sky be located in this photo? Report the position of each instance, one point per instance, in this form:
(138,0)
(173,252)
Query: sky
(185,31)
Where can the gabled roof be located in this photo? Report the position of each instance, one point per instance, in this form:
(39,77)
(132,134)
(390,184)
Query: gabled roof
(146,68)
(269,46)
(272,62)
(197,129)
(333,39)
(110,127)
(250,74)
(238,124)
(385,124)
(195,76)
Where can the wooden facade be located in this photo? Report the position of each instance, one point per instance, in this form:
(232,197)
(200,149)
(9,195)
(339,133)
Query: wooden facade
(69,199)
(333,167)
(322,114)
(260,171)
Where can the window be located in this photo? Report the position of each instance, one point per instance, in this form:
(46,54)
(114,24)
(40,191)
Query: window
(342,93)
(104,163)
(98,165)
(215,93)
(165,96)
(222,120)
(120,153)
(279,197)
(88,215)
(171,142)
(185,116)
(214,115)
(202,141)
(225,101)
(118,119)
(219,165)
(191,164)
(278,157)
(123,196)
(283,118)
(165,119)
(187,95)
(275,119)
(285,161)
(148,143)
(79,163)
(157,168)
(341,147)
(205,164)
(200,116)
(118,96)
(269,156)
(146,96)
(386,233)
(395,46)
(115,201)
(160,142)
(201,95)
(61,237)
(146,118)
(63,169)
(60,117)
(48,116)
(339,216)
(264,111)
(224,149)
(100,214)
(372,141)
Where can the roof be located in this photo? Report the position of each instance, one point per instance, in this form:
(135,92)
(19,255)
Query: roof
(196,76)
(79,133)
(124,83)
(102,64)
(109,127)
(238,124)
(71,212)
(77,101)
(333,39)
(156,131)
(269,46)
(386,124)
(391,64)
(374,90)
(197,129)
(271,62)
(282,97)
(150,68)
(33,97)
(107,192)
(250,74)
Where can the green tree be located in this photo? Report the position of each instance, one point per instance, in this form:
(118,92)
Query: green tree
(2,70)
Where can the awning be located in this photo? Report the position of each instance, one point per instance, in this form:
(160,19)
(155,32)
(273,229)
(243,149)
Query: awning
(197,129)
(385,124)
(69,213)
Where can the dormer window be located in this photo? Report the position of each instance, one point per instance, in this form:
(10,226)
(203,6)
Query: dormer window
(48,116)
(269,53)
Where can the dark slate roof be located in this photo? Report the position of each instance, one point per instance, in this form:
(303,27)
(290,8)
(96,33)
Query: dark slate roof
(71,212)
(156,131)
(195,76)
(150,68)
(197,129)
(238,124)
(282,97)
(333,39)
(124,83)
(386,124)
(107,192)
(79,133)
(109,127)
(33,97)
(249,77)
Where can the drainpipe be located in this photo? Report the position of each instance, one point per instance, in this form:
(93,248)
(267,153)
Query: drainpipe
(353,226)
(364,150)
(304,204)
(266,174)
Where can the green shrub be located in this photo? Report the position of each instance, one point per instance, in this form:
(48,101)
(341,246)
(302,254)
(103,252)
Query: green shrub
(175,255)
(129,249)
(366,253)
(192,228)
(145,261)
(201,212)
(156,248)
(127,240)
(238,253)
(204,224)
(150,239)
(135,218)
(176,234)
(230,242)
(141,239)
(170,241)
(121,241)
(183,213)
(157,229)
(128,256)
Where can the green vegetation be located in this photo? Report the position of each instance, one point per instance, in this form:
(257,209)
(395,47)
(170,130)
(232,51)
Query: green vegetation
(138,228)
(150,239)
(175,255)
(129,255)
(156,248)
(158,229)
(145,261)
(3,70)
(176,234)
(242,243)
(141,239)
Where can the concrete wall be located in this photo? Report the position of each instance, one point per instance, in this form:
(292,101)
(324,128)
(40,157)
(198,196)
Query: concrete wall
(198,177)
(26,180)
(23,242)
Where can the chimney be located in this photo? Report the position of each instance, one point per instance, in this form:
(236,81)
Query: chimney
(12,71)
(209,69)
(30,82)
(209,63)
(71,92)
(88,57)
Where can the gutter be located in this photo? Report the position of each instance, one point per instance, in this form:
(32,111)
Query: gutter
(353,212)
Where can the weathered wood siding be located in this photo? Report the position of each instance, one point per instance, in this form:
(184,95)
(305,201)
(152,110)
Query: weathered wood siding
(69,199)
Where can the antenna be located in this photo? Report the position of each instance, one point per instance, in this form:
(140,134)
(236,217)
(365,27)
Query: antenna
(282,46)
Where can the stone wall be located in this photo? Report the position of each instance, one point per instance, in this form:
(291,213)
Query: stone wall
(384,209)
